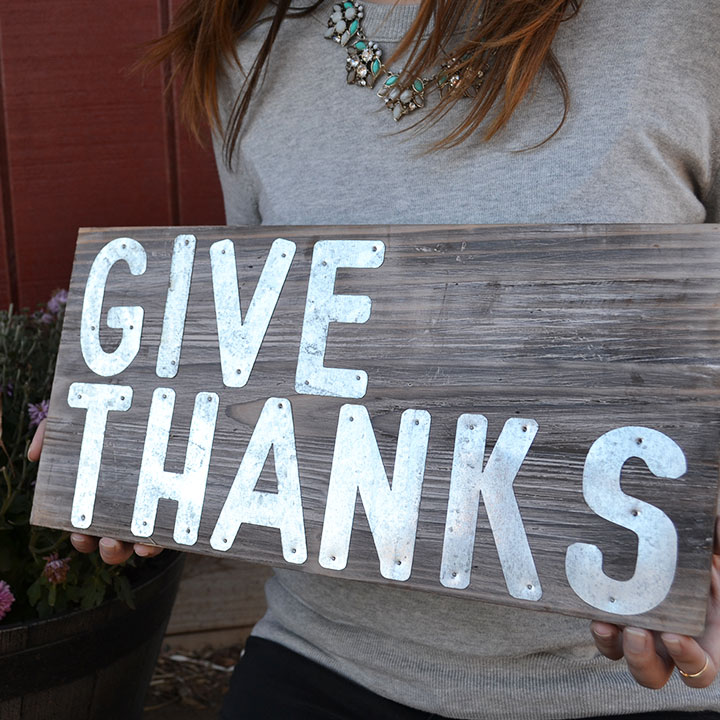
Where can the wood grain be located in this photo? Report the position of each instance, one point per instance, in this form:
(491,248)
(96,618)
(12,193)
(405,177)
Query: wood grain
(237,599)
(90,663)
(581,328)
(7,259)
(84,141)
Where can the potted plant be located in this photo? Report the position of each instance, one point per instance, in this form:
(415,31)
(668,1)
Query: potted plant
(70,639)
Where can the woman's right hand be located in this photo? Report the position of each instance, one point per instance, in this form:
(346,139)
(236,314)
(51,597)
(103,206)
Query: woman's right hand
(112,551)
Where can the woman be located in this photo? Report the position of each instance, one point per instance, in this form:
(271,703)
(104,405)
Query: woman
(530,111)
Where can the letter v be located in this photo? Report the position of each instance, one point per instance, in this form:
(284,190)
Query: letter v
(240,342)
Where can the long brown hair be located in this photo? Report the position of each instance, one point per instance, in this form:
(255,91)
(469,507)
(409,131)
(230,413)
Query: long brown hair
(509,41)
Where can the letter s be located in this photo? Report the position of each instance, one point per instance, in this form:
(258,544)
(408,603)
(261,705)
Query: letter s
(657,537)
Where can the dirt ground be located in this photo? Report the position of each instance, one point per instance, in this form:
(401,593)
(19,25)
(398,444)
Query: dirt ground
(178,711)
(190,686)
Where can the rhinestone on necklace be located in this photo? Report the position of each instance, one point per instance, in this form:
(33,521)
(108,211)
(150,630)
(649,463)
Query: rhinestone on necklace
(364,65)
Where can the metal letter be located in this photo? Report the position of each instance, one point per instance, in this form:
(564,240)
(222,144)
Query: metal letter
(392,513)
(323,307)
(98,400)
(176,306)
(468,480)
(657,537)
(127,319)
(240,341)
(283,510)
(188,487)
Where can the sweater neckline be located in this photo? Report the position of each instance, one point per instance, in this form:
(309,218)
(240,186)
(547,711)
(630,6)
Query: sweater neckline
(387,23)
(384,22)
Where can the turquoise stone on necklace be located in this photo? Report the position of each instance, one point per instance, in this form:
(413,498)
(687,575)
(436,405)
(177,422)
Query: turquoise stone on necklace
(364,61)
(344,22)
(364,65)
(402,100)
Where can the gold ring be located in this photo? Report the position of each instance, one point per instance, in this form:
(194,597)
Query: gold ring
(699,672)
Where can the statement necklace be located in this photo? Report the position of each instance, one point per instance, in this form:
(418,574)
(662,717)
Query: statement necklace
(364,65)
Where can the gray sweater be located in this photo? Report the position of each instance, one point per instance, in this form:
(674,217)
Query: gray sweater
(641,144)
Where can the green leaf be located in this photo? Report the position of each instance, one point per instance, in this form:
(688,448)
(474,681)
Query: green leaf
(74,593)
(34,592)
(124,590)
(44,610)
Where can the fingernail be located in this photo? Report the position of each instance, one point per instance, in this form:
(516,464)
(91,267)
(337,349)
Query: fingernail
(108,544)
(602,632)
(635,640)
(672,642)
(142,551)
(78,540)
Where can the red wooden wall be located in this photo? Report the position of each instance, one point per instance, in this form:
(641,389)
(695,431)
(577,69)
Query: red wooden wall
(83,142)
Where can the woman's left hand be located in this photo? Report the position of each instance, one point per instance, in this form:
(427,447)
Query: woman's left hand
(652,657)
(113,552)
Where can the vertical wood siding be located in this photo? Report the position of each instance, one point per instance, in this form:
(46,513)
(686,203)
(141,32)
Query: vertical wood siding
(83,142)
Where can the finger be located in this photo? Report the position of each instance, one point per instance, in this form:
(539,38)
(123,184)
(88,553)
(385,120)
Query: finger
(648,667)
(37,442)
(700,657)
(691,659)
(84,543)
(114,552)
(147,550)
(608,639)
(710,639)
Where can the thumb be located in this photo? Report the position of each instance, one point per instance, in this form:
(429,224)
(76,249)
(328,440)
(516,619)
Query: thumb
(37,442)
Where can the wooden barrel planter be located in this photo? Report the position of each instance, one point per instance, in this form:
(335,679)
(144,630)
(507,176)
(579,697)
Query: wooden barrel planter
(88,664)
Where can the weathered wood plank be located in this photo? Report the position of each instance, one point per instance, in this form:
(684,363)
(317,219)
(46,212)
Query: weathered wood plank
(74,697)
(199,195)
(6,251)
(202,640)
(583,329)
(237,599)
(85,138)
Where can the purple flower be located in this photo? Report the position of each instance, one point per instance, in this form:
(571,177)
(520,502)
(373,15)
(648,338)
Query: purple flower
(55,569)
(46,318)
(57,302)
(7,389)
(37,411)
(6,599)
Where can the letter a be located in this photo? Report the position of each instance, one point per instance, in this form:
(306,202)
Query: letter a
(274,429)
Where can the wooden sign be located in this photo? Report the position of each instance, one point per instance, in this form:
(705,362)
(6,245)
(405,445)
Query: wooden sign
(526,415)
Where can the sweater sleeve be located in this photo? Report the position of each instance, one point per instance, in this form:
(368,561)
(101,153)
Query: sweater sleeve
(239,195)
(239,190)
(708,62)
(712,201)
